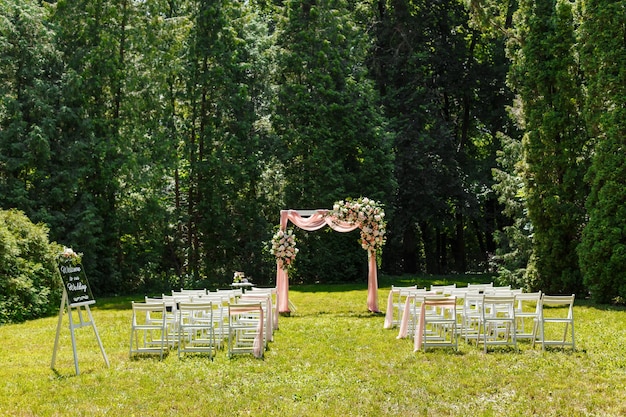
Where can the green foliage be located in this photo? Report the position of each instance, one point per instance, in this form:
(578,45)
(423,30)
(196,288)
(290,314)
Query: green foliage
(162,138)
(546,75)
(30,71)
(30,286)
(93,40)
(602,251)
(334,142)
(515,240)
(227,147)
(442,84)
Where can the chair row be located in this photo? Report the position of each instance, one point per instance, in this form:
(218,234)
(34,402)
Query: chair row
(202,322)
(492,318)
(398,296)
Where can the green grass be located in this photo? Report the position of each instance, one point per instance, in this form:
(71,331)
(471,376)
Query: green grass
(330,357)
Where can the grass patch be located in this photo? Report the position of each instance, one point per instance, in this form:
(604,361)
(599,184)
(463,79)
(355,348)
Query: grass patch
(330,357)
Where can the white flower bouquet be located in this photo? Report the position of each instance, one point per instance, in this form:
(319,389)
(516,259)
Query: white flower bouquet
(239,277)
(370,217)
(284,248)
(68,256)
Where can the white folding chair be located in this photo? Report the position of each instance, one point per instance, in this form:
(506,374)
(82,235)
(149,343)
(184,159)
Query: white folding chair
(470,315)
(246,329)
(459,294)
(233,293)
(437,323)
(497,321)
(503,289)
(527,314)
(196,331)
(220,303)
(442,289)
(273,292)
(556,312)
(479,287)
(395,305)
(189,292)
(149,330)
(171,305)
(265,299)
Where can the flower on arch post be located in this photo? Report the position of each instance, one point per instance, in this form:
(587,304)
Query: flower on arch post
(369,215)
(284,248)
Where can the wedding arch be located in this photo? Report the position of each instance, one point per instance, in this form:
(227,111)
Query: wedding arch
(346,216)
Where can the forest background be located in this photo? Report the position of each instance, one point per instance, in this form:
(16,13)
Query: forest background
(161,138)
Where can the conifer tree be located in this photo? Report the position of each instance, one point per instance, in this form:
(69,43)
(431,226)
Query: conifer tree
(442,85)
(31,70)
(546,76)
(326,114)
(603,248)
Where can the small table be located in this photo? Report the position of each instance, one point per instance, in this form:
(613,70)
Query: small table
(243,285)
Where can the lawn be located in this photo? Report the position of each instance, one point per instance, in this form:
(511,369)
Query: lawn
(330,357)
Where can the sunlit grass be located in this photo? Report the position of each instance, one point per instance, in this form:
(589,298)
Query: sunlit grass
(330,357)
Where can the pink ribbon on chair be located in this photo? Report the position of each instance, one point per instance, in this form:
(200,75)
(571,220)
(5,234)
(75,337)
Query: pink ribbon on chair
(257,345)
(420,328)
(419,334)
(404,321)
(389,313)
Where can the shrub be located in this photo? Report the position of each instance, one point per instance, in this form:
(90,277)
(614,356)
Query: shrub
(30,286)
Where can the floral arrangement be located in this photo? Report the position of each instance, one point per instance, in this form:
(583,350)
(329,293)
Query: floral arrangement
(239,277)
(367,214)
(284,248)
(370,217)
(68,256)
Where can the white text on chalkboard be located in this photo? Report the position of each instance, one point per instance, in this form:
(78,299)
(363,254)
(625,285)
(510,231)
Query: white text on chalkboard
(69,269)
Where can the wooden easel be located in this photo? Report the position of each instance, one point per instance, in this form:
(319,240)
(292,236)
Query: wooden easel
(79,307)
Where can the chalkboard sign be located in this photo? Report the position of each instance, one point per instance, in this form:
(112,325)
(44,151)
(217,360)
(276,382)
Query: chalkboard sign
(76,284)
(76,295)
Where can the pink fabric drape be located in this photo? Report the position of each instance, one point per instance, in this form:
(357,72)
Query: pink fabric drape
(389,313)
(372,283)
(316,221)
(448,302)
(258,344)
(404,321)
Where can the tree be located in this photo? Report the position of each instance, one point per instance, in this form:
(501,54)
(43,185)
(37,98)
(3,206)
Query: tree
(30,77)
(150,206)
(334,143)
(514,240)
(442,84)
(602,252)
(546,76)
(225,141)
(93,37)
(30,285)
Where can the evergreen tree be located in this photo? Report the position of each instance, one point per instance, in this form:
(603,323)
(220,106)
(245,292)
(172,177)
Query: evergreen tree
(602,251)
(93,37)
(225,142)
(334,142)
(442,84)
(31,71)
(515,239)
(149,202)
(546,76)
